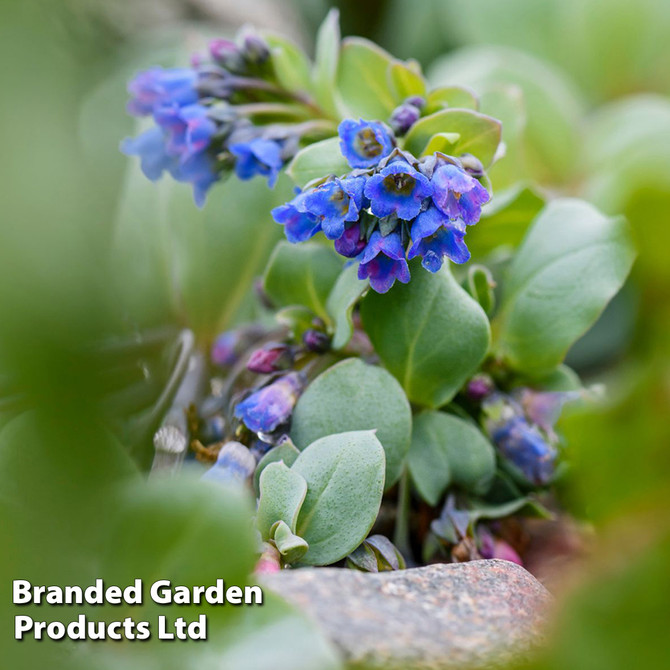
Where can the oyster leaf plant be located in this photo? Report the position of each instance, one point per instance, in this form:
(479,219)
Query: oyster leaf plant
(396,402)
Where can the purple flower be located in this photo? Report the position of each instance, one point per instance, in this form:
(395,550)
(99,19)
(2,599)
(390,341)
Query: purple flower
(271,406)
(299,224)
(157,86)
(404,117)
(543,408)
(383,261)
(525,446)
(457,194)
(258,156)
(493,547)
(434,236)
(151,148)
(399,189)
(334,202)
(364,143)
(351,243)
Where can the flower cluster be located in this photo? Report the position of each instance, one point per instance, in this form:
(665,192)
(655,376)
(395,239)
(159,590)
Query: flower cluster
(206,117)
(521,427)
(390,208)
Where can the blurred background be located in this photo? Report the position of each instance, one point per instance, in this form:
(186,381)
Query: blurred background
(100,269)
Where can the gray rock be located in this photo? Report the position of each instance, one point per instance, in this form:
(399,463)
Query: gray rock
(478,614)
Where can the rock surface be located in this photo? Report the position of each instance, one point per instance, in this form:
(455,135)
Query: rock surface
(477,614)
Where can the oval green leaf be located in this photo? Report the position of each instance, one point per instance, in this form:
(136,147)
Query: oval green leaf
(571,263)
(341,301)
(345,482)
(302,275)
(317,160)
(282,494)
(447,450)
(430,334)
(352,395)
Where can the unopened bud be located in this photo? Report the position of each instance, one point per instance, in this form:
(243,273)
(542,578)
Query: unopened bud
(227,54)
(316,341)
(404,117)
(273,357)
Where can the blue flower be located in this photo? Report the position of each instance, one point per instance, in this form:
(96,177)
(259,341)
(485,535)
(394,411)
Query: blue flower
(383,261)
(199,171)
(525,446)
(157,86)
(151,148)
(457,194)
(334,202)
(258,156)
(434,236)
(299,224)
(265,410)
(398,188)
(364,143)
(351,243)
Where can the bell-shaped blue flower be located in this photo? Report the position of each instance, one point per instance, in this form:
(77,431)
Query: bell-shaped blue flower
(364,143)
(457,194)
(258,156)
(524,445)
(299,224)
(271,406)
(434,236)
(383,261)
(335,202)
(398,188)
(233,467)
(155,87)
(151,148)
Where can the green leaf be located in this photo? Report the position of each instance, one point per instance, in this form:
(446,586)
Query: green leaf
(317,160)
(505,220)
(442,142)
(480,287)
(362,82)
(326,60)
(406,80)
(286,452)
(447,450)
(345,482)
(430,334)
(571,263)
(291,65)
(451,96)
(479,134)
(341,302)
(302,275)
(352,395)
(527,505)
(291,547)
(282,494)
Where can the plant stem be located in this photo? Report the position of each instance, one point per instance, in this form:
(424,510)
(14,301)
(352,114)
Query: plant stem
(401,533)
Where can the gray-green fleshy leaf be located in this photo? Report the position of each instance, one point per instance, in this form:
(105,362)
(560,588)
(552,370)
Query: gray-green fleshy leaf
(292,547)
(352,395)
(341,302)
(302,275)
(317,160)
(430,334)
(479,134)
(362,83)
(286,452)
(571,263)
(345,482)
(448,450)
(282,494)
